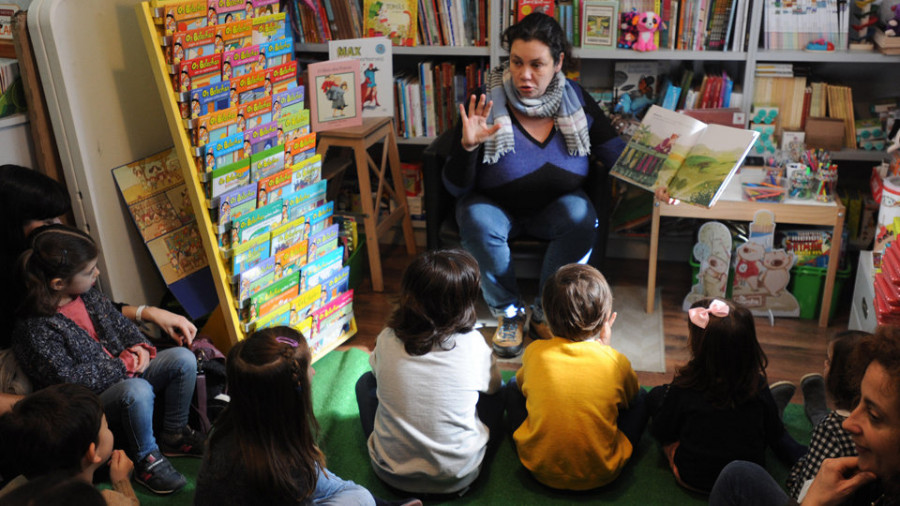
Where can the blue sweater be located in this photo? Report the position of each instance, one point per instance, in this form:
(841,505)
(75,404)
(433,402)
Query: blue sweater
(535,174)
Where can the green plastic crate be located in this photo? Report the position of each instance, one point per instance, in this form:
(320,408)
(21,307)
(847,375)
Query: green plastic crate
(808,283)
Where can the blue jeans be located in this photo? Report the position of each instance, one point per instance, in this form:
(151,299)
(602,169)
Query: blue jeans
(569,223)
(332,490)
(631,421)
(129,403)
(747,484)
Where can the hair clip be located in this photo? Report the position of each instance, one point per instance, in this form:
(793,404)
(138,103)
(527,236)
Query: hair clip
(699,316)
(64,257)
(287,340)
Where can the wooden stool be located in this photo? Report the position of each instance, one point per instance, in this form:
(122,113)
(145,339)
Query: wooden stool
(359,139)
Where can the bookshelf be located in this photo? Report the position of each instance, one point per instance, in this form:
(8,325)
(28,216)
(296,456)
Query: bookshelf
(744,61)
(197,192)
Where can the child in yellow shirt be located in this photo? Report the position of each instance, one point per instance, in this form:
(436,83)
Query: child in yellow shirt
(575,405)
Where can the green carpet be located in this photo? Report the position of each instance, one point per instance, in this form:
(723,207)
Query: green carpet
(646,480)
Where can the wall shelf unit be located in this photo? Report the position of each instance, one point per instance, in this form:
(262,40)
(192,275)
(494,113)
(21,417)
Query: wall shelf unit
(742,63)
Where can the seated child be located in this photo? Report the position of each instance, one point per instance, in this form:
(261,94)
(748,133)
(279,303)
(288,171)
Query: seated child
(829,439)
(62,428)
(718,407)
(69,332)
(429,424)
(575,404)
(262,450)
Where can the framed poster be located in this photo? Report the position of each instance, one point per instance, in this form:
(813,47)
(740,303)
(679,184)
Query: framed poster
(334,94)
(599,24)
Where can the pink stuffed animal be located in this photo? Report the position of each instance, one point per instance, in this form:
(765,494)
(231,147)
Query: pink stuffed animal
(647,23)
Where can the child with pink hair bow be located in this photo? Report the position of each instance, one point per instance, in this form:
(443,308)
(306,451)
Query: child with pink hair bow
(718,407)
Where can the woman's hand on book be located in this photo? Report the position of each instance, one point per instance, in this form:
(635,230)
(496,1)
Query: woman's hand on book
(662,195)
(475,129)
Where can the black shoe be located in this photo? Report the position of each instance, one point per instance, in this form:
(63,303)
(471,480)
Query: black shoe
(508,339)
(157,474)
(782,392)
(187,443)
(814,403)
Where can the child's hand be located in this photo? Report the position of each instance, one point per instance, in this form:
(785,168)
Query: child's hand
(835,481)
(141,358)
(179,328)
(120,466)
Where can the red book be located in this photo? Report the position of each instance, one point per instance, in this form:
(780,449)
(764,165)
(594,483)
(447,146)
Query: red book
(526,7)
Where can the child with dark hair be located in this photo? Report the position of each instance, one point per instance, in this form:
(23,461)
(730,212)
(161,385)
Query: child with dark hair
(575,405)
(56,489)
(28,200)
(718,407)
(829,439)
(62,429)
(427,408)
(263,450)
(69,332)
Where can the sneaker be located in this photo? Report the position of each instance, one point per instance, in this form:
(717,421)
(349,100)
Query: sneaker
(157,474)
(539,330)
(187,443)
(507,340)
(782,392)
(814,403)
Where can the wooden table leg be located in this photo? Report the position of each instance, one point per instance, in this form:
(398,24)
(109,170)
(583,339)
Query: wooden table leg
(834,257)
(370,214)
(390,143)
(654,250)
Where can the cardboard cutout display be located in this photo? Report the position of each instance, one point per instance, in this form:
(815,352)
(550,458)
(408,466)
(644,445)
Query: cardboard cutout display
(762,273)
(713,251)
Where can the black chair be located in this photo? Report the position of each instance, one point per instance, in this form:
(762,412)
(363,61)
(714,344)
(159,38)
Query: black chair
(527,252)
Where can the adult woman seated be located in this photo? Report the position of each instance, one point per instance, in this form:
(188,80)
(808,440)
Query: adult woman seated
(28,200)
(872,477)
(519,161)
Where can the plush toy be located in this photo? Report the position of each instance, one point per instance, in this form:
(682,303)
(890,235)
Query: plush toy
(647,23)
(892,26)
(628,33)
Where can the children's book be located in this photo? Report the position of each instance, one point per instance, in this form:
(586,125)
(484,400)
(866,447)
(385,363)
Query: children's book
(693,159)
(334,94)
(394,19)
(526,7)
(599,24)
(266,163)
(377,68)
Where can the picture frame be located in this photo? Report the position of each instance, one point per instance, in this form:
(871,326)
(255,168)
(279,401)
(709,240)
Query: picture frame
(599,24)
(334,94)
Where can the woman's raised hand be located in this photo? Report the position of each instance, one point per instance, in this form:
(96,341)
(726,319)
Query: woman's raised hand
(475,129)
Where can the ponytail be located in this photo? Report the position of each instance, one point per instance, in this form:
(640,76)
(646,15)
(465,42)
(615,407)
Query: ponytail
(57,251)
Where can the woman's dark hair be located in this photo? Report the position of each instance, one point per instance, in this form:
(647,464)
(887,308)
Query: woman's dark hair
(884,348)
(57,251)
(842,382)
(270,415)
(541,27)
(437,299)
(27,195)
(727,363)
(577,301)
(49,430)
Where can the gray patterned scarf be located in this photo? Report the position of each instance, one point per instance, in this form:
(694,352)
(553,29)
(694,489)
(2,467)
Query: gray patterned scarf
(560,101)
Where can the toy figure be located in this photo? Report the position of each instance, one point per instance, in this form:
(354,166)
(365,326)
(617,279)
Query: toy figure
(627,31)
(647,23)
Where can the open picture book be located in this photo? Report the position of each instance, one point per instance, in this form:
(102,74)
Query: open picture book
(693,159)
